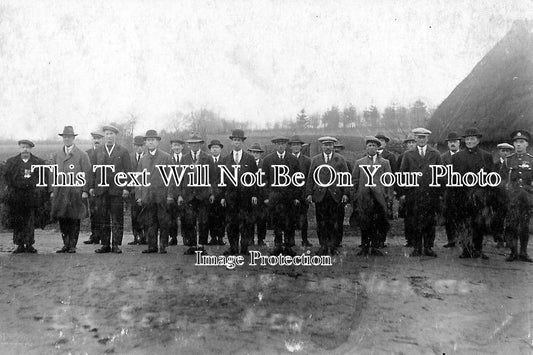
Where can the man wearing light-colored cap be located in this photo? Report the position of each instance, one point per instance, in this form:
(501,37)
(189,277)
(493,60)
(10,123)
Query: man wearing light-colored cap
(421,202)
(451,211)
(23,198)
(472,201)
(96,224)
(327,199)
(518,172)
(110,197)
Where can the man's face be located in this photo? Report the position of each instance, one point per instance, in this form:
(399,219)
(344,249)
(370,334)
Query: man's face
(97,141)
(109,137)
(176,147)
(327,147)
(256,155)
(237,143)
(471,141)
(215,150)
(504,153)
(25,150)
(383,143)
(453,145)
(151,143)
(411,145)
(194,147)
(68,140)
(296,147)
(421,140)
(139,148)
(520,145)
(281,146)
(371,148)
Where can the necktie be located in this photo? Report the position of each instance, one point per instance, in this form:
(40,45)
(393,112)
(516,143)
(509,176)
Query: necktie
(194,157)
(327,158)
(237,160)
(422,152)
(216,160)
(138,157)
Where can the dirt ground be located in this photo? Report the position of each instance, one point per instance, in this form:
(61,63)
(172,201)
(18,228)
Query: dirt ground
(148,304)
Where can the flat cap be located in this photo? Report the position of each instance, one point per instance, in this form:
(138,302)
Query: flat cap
(420,131)
(26,141)
(382,136)
(505,146)
(177,140)
(372,139)
(97,134)
(410,138)
(279,139)
(327,139)
(110,128)
(195,138)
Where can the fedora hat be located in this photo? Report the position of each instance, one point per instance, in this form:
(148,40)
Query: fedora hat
(472,132)
(138,140)
(97,134)
(68,131)
(256,147)
(152,133)
(295,140)
(195,138)
(452,136)
(110,128)
(26,141)
(215,142)
(237,133)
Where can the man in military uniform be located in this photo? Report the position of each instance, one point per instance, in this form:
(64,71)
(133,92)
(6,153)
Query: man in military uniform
(260,211)
(451,211)
(473,202)
(136,224)
(296,145)
(23,196)
(370,202)
(176,152)
(518,170)
(216,213)
(96,224)
(327,199)
(110,197)
(499,201)
(421,202)
(281,200)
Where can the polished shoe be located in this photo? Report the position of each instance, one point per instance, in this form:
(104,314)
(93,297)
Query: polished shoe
(135,242)
(525,257)
(149,251)
(190,251)
(71,250)
(465,255)
(104,249)
(276,251)
(230,251)
(142,242)
(62,250)
(31,249)
(500,245)
(162,251)
(429,252)
(91,241)
(173,241)
(288,251)
(20,249)
(416,252)
(306,243)
(363,252)
(512,257)
(449,245)
(202,249)
(376,252)
(116,250)
(478,254)
(333,251)
(322,251)
(213,241)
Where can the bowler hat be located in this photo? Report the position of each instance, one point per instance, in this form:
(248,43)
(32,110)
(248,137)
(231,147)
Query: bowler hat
(68,131)
(382,136)
(237,133)
(215,142)
(138,140)
(505,146)
(472,132)
(295,140)
(97,134)
(195,138)
(521,134)
(371,139)
(152,133)
(280,139)
(25,141)
(327,139)
(453,136)
(256,147)
(110,128)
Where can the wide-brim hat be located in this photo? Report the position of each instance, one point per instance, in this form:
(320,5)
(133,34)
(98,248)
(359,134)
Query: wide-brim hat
(195,138)
(505,146)
(521,134)
(372,139)
(472,132)
(453,136)
(410,138)
(382,136)
(177,140)
(152,133)
(26,141)
(420,131)
(256,147)
(110,128)
(280,139)
(295,140)
(327,139)
(138,140)
(215,142)
(237,133)
(97,134)
(68,131)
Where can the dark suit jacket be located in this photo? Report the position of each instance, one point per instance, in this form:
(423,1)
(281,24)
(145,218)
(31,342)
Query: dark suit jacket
(413,162)
(188,192)
(339,165)
(239,193)
(174,160)
(157,192)
(120,158)
(275,194)
(391,158)
(92,155)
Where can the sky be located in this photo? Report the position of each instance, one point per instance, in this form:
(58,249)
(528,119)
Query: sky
(87,63)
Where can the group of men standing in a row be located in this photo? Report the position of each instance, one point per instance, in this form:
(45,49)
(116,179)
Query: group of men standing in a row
(211,210)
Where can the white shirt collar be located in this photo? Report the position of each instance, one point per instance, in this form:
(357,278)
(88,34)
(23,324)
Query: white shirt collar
(297,155)
(109,151)
(68,149)
(452,153)
(281,155)
(152,153)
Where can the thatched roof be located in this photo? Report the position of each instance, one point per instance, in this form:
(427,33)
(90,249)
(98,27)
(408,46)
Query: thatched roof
(497,96)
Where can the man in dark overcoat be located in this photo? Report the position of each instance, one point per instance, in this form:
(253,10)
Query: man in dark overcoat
(216,213)
(176,212)
(137,227)
(260,211)
(296,144)
(96,224)
(451,210)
